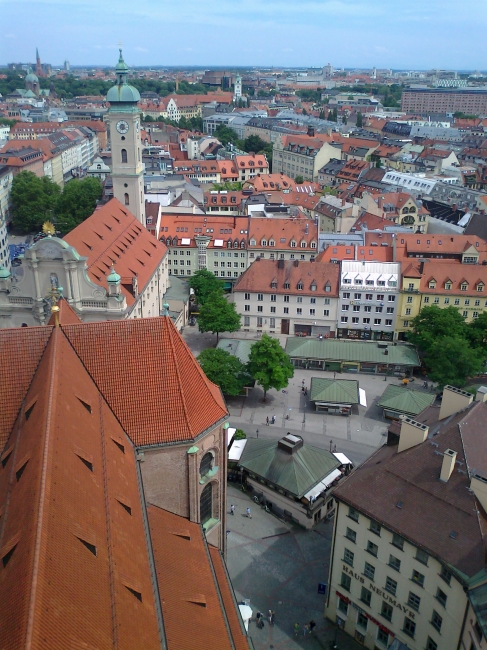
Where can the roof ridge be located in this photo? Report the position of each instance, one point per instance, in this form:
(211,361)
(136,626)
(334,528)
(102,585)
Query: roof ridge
(183,400)
(55,334)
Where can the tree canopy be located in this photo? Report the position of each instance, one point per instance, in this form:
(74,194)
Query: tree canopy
(224,370)
(218,315)
(37,200)
(204,283)
(452,349)
(360,119)
(269,365)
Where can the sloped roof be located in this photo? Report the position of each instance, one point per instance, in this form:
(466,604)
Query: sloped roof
(20,352)
(107,236)
(175,401)
(239,348)
(78,554)
(405,400)
(189,589)
(339,391)
(296,473)
(359,351)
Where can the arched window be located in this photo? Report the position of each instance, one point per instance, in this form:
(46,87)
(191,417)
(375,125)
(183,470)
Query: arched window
(126,197)
(124,155)
(235,243)
(206,464)
(242,244)
(175,241)
(206,504)
(229,243)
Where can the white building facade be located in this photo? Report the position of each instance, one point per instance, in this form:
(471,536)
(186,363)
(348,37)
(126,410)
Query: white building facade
(369,300)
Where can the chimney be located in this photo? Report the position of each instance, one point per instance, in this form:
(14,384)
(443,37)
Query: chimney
(478,485)
(412,433)
(454,400)
(448,464)
(481,394)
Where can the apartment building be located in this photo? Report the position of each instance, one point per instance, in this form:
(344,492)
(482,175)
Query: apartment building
(408,555)
(197,242)
(207,171)
(288,297)
(223,202)
(369,298)
(438,100)
(282,238)
(301,156)
(251,165)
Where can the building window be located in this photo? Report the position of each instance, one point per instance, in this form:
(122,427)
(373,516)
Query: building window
(362,621)
(391,586)
(345,307)
(348,557)
(260,296)
(382,637)
(346,295)
(398,541)
(351,535)
(436,621)
(247,308)
(246,321)
(431,645)
(272,322)
(366,596)
(394,563)
(456,302)
(342,606)
(345,582)
(353,514)
(375,527)
(312,312)
(299,311)
(441,597)
(273,297)
(247,296)
(426,299)
(124,155)
(409,627)
(326,312)
(369,571)
(410,299)
(126,199)
(386,611)
(366,321)
(377,321)
(260,309)
(273,310)
(299,299)
(418,578)
(422,556)
(372,548)
(445,575)
(206,504)
(414,601)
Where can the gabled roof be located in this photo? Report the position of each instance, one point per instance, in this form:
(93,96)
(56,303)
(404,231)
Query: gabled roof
(405,400)
(296,473)
(107,236)
(175,401)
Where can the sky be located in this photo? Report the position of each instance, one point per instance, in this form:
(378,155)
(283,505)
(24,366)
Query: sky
(408,34)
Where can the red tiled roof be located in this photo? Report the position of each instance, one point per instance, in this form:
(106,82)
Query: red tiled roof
(189,593)
(288,229)
(175,401)
(263,273)
(106,237)
(372,222)
(20,352)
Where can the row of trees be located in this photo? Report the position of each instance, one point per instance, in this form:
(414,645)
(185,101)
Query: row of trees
(268,364)
(190,124)
(37,200)
(452,350)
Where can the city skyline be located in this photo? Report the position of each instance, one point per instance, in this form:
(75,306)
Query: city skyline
(349,33)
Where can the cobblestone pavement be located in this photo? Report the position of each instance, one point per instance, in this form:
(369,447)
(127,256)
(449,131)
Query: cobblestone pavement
(277,565)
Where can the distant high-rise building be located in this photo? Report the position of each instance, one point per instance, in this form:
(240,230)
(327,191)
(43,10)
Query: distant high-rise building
(328,71)
(237,92)
(66,66)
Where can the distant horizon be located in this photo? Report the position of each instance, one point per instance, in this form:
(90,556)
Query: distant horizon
(416,35)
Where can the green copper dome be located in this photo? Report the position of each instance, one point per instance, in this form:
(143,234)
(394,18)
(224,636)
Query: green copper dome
(4,273)
(113,278)
(122,92)
(32,77)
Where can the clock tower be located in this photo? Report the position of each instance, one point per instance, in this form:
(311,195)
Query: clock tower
(124,123)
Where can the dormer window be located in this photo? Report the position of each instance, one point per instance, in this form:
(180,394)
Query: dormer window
(480,286)
(432,284)
(303,244)
(464,286)
(293,244)
(300,286)
(287,285)
(252,242)
(313,287)
(272,242)
(263,242)
(313,244)
(274,284)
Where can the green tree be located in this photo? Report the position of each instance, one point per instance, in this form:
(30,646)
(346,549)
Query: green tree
(269,365)
(77,203)
(33,202)
(225,134)
(217,315)
(477,332)
(254,143)
(148,118)
(299,180)
(433,323)
(204,283)
(360,120)
(344,120)
(451,361)
(224,370)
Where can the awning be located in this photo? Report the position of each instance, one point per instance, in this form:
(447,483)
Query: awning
(344,460)
(236,450)
(362,397)
(246,614)
(230,434)
(323,484)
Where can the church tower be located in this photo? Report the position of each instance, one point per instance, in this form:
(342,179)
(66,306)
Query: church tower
(124,123)
(237,92)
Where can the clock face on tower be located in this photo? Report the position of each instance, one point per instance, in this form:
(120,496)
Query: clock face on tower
(122,127)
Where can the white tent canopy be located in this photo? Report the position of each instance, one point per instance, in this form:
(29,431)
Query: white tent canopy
(322,485)
(344,460)
(246,614)
(236,450)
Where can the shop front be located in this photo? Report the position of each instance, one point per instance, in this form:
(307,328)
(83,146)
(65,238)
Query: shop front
(364,335)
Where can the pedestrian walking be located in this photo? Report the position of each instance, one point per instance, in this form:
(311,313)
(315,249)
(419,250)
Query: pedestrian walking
(232,509)
(267,420)
(312,626)
(306,392)
(271,617)
(273,419)
(248,513)
(302,383)
(305,629)
(296,629)
(302,388)
(334,375)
